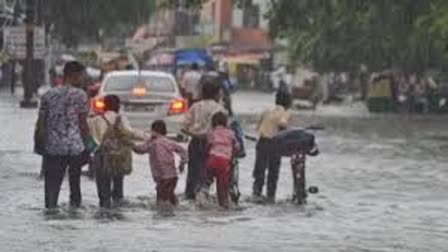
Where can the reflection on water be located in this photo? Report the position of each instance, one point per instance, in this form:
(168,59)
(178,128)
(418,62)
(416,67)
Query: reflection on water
(383,184)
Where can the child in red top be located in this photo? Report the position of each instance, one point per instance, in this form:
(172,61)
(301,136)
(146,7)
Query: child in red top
(161,158)
(222,146)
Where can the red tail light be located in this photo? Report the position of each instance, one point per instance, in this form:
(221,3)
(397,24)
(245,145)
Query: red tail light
(178,106)
(98,105)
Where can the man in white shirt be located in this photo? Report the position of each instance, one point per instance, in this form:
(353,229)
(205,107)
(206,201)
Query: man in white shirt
(190,84)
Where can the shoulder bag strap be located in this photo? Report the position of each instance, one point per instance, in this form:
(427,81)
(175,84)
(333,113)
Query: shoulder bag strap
(105,119)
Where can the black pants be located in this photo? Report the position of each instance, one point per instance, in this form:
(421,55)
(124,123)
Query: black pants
(109,187)
(196,174)
(266,158)
(54,170)
(42,169)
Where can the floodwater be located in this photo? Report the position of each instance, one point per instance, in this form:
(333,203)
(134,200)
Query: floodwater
(383,187)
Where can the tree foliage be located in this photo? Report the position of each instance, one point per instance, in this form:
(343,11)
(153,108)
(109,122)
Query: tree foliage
(196,4)
(189,4)
(342,34)
(82,19)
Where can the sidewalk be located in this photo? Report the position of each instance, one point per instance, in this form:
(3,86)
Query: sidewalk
(16,124)
(254,103)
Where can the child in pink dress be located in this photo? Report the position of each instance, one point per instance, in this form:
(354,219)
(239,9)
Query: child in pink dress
(222,146)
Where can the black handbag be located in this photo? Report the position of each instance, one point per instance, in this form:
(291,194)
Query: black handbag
(39,140)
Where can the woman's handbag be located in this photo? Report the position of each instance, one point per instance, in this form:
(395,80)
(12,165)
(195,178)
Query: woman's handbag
(39,139)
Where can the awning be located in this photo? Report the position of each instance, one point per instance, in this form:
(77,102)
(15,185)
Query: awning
(247,59)
(250,38)
(187,57)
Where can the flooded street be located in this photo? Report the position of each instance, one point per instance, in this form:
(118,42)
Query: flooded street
(383,184)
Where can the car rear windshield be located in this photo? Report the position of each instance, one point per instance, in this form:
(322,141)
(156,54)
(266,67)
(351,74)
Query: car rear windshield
(126,83)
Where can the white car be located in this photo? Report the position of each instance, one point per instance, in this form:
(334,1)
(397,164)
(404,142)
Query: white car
(145,96)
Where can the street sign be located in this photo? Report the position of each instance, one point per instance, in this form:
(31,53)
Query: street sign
(15,41)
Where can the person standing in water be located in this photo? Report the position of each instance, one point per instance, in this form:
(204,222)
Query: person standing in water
(190,84)
(110,172)
(222,146)
(198,122)
(63,120)
(227,87)
(162,152)
(272,121)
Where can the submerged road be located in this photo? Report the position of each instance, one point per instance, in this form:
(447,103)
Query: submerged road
(383,183)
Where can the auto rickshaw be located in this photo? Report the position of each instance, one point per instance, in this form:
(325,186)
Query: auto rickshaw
(380,95)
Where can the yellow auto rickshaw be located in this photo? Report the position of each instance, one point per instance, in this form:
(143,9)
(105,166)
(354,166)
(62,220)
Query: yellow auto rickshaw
(380,95)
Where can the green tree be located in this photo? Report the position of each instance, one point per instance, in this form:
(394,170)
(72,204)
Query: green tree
(194,4)
(82,19)
(333,35)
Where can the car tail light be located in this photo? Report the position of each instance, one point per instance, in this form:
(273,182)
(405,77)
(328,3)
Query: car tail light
(178,106)
(98,105)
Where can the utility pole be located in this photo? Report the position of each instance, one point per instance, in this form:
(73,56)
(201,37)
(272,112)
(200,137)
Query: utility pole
(28,83)
(17,10)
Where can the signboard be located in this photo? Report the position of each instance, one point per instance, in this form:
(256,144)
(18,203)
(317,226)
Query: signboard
(15,41)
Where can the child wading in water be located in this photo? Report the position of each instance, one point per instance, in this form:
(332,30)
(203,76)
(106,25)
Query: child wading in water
(222,147)
(197,124)
(161,152)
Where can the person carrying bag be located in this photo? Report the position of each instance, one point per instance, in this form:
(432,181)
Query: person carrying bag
(116,150)
(113,158)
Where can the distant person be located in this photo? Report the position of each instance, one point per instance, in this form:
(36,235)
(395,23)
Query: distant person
(276,77)
(190,83)
(55,80)
(162,152)
(210,75)
(198,122)
(63,120)
(237,129)
(272,121)
(223,146)
(420,96)
(112,163)
(210,70)
(364,81)
(227,88)
(95,87)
